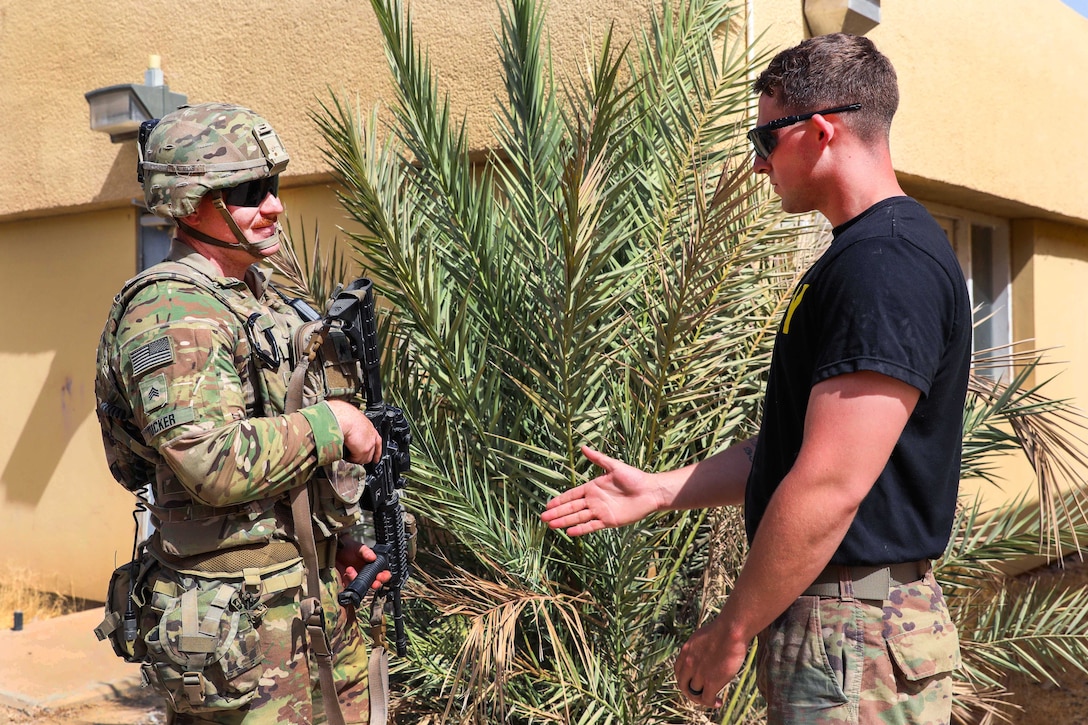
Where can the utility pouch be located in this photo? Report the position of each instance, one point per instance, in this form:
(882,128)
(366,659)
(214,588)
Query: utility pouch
(333,372)
(336,495)
(125,597)
(203,647)
(128,458)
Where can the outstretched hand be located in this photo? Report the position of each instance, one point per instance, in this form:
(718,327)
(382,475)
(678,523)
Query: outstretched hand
(621,495)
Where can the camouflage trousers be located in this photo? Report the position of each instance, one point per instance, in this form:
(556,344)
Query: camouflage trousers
(829,661)
(271,665)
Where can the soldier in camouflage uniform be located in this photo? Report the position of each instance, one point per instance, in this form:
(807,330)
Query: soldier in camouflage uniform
(193,370)
(850,488)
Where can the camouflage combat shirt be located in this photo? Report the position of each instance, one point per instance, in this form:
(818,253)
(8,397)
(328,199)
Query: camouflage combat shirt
(211,408)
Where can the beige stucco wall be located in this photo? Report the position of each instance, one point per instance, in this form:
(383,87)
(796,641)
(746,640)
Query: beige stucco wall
(988,99)
(277,58)
(1057,272)
(987,86)
(989,90)
(60,513)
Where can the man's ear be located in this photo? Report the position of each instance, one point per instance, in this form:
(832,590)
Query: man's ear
(199,213)
(826,129)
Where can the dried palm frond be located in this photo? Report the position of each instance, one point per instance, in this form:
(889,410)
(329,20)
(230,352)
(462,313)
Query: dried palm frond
(981,705)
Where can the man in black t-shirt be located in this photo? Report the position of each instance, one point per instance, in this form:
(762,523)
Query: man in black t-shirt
(850,488)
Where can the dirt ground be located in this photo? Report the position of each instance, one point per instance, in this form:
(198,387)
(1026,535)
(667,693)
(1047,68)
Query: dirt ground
(144,708)
(1042,704)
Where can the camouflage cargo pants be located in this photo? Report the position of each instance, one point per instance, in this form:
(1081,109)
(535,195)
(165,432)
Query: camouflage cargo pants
(288,689)
(832,661)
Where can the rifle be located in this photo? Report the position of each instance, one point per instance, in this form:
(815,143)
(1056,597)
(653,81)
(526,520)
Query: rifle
(352,312)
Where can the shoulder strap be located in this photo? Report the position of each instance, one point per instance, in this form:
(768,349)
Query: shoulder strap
(312,615)
(168,272)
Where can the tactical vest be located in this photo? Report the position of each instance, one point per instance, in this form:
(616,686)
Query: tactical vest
(185,527)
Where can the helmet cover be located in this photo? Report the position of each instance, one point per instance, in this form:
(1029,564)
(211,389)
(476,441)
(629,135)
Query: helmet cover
(202,148)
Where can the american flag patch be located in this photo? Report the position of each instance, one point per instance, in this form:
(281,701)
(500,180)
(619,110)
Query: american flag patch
(152,355)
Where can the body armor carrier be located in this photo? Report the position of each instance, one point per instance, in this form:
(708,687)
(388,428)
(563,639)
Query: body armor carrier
(271,355)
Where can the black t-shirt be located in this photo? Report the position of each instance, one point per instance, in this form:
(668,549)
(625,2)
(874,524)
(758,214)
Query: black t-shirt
(887,296)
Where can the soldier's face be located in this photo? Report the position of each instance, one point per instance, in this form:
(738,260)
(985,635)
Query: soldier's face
(257,223)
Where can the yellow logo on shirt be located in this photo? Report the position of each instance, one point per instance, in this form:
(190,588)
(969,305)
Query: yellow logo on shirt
(793,306)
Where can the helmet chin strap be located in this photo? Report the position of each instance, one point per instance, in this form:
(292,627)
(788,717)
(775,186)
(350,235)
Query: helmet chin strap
(253,248)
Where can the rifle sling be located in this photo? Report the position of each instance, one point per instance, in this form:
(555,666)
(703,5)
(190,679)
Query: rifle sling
(312,615)
(300,512)
(310,607)
(379,686)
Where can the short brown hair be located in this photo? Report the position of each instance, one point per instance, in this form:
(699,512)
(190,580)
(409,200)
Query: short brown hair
(835,70)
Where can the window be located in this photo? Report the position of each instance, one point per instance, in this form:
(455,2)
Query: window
(153,235)
(982,246)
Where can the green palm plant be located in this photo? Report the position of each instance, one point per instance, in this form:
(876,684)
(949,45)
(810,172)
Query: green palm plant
(1008,626)
(316,275)
(609,272)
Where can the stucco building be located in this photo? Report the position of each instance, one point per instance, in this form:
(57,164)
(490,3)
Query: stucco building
(988,136)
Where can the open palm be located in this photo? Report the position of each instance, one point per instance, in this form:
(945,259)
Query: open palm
(622,495)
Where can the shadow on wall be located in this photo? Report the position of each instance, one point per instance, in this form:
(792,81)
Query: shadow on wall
(58,277)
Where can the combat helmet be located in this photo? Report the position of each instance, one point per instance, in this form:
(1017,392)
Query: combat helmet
(202,150)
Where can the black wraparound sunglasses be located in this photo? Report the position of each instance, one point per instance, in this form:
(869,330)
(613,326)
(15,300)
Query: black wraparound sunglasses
(252,193)
(764,139)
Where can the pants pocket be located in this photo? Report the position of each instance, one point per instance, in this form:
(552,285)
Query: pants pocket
(800,662)
(919,632)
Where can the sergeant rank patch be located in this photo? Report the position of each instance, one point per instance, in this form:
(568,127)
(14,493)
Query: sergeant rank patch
(152,355)
(153,392)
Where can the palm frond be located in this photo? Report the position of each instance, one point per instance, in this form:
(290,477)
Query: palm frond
(610,271)
(317,275)
(1035,632)
(1001,418)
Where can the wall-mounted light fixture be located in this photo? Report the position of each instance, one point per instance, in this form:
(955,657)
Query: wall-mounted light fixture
(856,17)
(119,110)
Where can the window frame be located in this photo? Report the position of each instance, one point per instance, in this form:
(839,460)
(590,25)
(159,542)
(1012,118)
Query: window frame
(960,225)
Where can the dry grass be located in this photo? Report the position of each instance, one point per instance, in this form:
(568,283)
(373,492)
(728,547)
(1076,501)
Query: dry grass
(21,591)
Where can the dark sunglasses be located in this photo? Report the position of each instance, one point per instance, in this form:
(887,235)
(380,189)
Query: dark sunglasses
(764,139)
(252,193)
